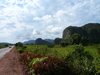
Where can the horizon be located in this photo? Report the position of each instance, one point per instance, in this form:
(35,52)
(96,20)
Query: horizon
(22,20)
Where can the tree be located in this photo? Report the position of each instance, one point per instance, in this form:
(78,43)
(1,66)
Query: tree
(84,41)
(64,43)
(19,44)
(82,60)
(75,38)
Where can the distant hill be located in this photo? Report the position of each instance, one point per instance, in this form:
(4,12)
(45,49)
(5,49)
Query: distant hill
(4,43)
(41,41)
(49,40)
(90,30)
(29,42)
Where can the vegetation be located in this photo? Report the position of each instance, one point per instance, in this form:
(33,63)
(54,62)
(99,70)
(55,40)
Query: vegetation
(90,30)
(71,56)
(75,38)
(53,66)
(50,45)
(2,46)
(85,60)
(98,48)
(64,43)
(84,41)
(82,60)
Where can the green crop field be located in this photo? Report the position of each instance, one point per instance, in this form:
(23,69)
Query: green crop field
(57,50)
(85,59)
(2,46)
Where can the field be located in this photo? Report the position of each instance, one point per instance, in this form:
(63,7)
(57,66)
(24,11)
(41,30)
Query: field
(57,50)
(2,46)
(85,59)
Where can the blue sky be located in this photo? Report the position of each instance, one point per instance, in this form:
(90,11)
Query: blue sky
(22,20)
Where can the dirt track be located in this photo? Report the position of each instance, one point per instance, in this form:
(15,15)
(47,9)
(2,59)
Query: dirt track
(11,65)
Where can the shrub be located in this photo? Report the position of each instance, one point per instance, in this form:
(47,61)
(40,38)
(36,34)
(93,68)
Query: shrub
(21,51)
(82,60)
(84,41)
(64,43)
(28,57)
(50,45)
(98,48)
(24,47)
(53,66)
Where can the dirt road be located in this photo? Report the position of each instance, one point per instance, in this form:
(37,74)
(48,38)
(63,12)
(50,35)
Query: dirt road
(10,64)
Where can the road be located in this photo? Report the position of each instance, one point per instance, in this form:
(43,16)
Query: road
(3,51)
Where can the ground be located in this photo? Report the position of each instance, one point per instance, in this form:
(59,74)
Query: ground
(10,64)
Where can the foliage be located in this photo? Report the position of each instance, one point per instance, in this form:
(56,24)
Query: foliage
(33,62)
(21,49)
(53,66)
(28,57)
(90,30)
(75,38)
(98,48)
(50,45)
(82,60)
(42,51)
(2,46)
(96,62)
(64,43)
(6,45)
(19,44)
(84,41)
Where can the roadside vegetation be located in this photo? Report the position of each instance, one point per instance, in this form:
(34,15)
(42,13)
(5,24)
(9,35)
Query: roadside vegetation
(75,56)
(3,46)
(85,60)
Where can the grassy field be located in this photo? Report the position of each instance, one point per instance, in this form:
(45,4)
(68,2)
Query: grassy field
(57,50)
(86,61)
(2,46)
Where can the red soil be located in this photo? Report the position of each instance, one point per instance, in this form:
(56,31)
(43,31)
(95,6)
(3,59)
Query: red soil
(10,64)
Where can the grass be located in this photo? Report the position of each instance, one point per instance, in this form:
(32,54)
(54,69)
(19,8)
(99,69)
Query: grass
(84,66)
(92,50)
(57,50)
(2,46)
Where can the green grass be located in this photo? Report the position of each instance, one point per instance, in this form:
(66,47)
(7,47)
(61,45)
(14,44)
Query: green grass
(63,52)
(92,50)
(2,46)
(57,51)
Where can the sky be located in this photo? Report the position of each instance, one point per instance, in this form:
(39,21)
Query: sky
(22,20)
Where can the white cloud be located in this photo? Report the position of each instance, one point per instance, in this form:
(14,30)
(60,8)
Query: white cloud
(53,30)
(30,19)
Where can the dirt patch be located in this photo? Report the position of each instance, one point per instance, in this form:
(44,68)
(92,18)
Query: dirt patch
(10,64)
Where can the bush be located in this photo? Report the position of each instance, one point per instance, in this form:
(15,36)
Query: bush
(82,60)
(64,43)
(53,66)
(28,57)
(21,51)
(50,45)
(24,47)
(98,48)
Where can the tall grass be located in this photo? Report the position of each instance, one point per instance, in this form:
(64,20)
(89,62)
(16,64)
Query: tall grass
(86,62)
(2,46)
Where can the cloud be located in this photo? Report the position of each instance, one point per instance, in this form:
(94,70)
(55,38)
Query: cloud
(53,30)
(30,19)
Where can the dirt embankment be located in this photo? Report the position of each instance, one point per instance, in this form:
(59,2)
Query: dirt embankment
(10,64)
